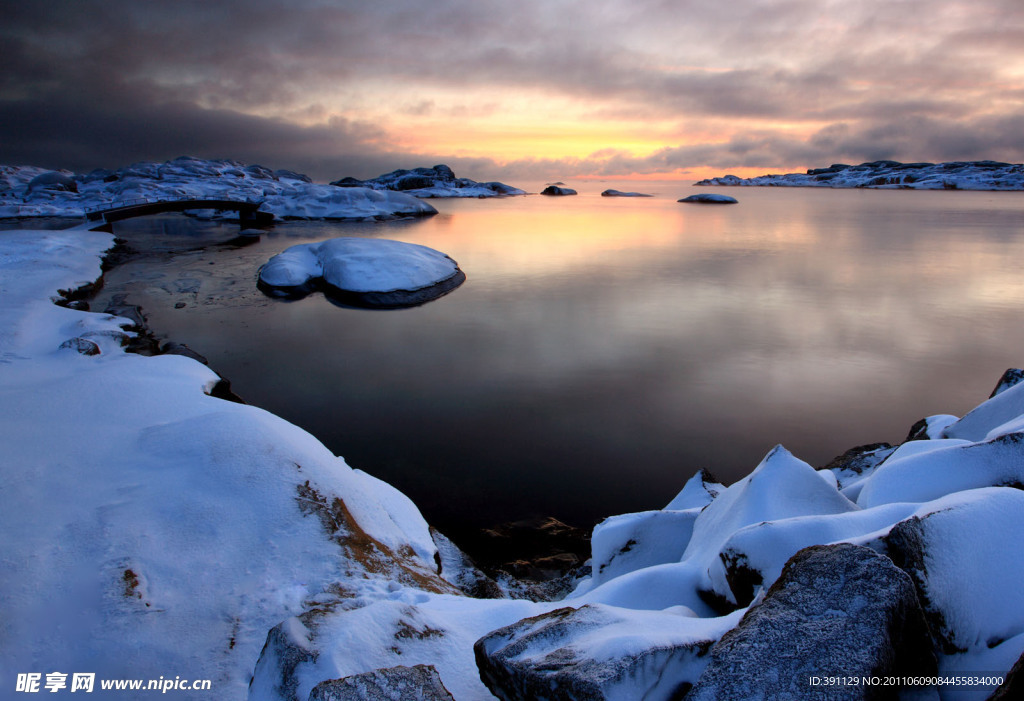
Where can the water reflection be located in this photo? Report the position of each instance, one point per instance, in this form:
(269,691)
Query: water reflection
(604,349)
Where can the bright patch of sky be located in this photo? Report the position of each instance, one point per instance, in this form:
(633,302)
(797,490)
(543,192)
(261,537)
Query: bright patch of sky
(541,89)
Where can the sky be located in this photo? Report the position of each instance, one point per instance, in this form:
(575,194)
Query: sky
(512,91)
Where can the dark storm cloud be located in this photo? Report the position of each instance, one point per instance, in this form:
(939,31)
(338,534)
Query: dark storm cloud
(89,83)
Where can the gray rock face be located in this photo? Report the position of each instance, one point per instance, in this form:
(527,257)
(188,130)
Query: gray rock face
(839,610)
(859,462)
(557,656)
(1011,377)
(420,682)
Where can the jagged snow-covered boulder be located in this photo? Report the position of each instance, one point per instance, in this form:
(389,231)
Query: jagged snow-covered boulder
(922,471)
(393,625)
(963,552)
(836,611)
(371,272)
(782,486)
(598,652)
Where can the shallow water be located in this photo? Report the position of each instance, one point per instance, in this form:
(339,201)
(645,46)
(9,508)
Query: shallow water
(604,349)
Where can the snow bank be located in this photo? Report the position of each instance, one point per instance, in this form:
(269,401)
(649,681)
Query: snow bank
(150,529)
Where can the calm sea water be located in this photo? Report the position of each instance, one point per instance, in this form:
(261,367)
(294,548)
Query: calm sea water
(603,350)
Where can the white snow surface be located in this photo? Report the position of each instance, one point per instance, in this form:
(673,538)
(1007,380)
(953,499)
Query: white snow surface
(359,265)
(282,193)
(153,530)
(150,529)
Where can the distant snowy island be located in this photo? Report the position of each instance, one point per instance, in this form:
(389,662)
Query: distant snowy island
(29,191)
(438,181)
(155,529)
(954,175)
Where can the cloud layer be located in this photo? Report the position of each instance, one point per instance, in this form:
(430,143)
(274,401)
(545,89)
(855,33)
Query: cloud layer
(353,88)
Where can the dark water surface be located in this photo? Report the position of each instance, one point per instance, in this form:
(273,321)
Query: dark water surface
(602,350)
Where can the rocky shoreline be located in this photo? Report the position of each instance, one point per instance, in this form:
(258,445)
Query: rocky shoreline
(891,175)
(232,545)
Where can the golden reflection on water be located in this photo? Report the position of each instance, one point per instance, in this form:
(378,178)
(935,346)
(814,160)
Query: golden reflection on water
(603,349)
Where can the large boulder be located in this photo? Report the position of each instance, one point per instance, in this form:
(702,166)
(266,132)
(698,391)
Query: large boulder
(963,553)
(630,542)
(754,556)
(837,611)
(780,487)
(419,682)
(922,471)
(597,653)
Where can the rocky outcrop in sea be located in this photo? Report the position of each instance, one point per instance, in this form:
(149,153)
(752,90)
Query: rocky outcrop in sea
(438,181)
(892,175)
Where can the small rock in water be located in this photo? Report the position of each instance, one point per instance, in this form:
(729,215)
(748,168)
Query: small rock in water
(556,191)
(618,193)
(709,198)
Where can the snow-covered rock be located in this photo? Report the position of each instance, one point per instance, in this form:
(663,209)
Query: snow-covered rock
(840,611)
(922,471)
(393,625)
(697,493)
(753,557)
(619,193)
(780,487)
(598,652)
(998,415)
(629,542)
(29,192)
(371,272)
(439,181)
(558,191)
(955,175)
(709,198)
(963,553)
(858,463)
(305,201)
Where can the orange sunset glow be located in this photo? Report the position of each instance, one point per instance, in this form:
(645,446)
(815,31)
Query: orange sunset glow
(543,91)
